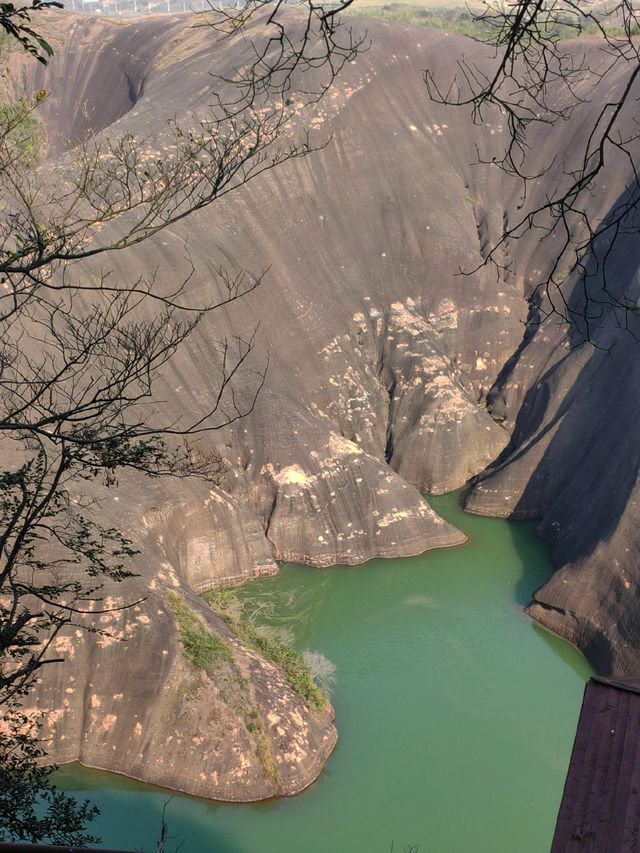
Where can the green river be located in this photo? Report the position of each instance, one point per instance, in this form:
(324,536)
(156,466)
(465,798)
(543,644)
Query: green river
(456,713)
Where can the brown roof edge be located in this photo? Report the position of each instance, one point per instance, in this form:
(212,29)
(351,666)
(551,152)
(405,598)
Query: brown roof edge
(15,847)
(600,807)
(630,684)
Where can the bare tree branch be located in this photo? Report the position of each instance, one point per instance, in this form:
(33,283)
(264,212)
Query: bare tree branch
(538,79)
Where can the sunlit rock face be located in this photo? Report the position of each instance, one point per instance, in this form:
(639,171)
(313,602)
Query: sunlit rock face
(394,370)
(131,698)
(129,701)
(380,352)
(380,358)
(438,435)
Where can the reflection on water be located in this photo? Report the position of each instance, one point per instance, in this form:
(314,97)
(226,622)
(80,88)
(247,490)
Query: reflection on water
(456,714)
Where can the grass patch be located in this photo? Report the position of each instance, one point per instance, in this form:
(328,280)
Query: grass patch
(201,647)
(448,6)
(255,727)
(269,644)
(188,690)
(252,719)
(206,651)
(265,756)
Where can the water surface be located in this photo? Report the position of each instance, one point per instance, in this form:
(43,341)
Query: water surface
(456,713)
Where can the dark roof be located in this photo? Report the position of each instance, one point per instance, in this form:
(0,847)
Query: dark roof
(600,808)
(16,847)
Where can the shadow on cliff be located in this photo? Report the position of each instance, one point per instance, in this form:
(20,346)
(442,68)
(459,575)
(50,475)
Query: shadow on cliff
(574,460)
(574,456)
(564,650)
(568,452)
(536,562)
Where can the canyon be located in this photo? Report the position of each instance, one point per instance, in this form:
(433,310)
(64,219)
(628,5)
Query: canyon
(398,365)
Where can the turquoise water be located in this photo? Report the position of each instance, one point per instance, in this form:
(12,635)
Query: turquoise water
(456,713)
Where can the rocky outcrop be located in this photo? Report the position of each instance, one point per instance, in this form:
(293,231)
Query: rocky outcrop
(160,688)
(380,353)
(214,542)
(573,464)
(130,701)
(438,435)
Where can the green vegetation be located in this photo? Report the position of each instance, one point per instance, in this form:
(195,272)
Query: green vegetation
(24,129)
(464,21)
(269,643)
(435,5)
(201,648)
(188,690)
(208,652)
(252,719)
(454,20)
(264,753)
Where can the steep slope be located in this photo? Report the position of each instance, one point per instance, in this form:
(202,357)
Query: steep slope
(368,327)
(573,461)
(574,464)
(374,345)
(381,359)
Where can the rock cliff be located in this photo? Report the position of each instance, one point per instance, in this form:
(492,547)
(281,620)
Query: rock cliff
(571,406)
(380,357)
(390,375)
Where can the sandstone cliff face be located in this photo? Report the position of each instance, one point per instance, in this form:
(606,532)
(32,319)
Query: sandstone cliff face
(133,697)
(573,464)
(573,460)
(382,359)
(380,354)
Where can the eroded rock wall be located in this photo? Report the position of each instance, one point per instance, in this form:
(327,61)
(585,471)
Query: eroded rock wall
(380,353)
(380,358)
(574,460)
